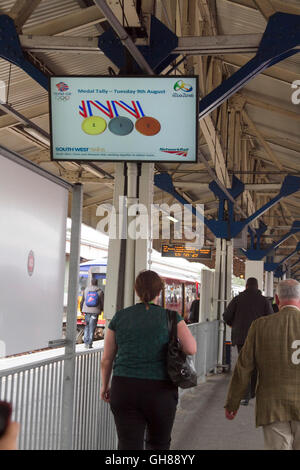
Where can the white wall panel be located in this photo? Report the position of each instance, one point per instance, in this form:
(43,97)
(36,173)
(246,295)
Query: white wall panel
(33,213)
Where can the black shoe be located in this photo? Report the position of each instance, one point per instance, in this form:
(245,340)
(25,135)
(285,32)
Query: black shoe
(90,346)
(244,402)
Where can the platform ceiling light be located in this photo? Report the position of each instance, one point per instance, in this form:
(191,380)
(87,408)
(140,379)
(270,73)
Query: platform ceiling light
(2,91)
(166,213)
(38,135)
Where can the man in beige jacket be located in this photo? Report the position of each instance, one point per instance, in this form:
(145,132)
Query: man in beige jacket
(273,348)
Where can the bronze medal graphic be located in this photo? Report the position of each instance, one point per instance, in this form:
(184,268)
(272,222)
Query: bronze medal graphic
(147,126)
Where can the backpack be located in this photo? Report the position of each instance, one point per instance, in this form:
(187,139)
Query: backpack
(92,298)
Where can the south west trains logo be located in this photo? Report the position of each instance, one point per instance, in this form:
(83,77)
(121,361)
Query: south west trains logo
(62,93)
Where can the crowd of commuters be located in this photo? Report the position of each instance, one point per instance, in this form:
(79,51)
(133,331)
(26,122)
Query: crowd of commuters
(135,381)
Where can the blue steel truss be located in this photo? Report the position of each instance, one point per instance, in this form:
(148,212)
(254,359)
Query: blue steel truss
(255,252)
(277,267)
(281,37)
(226,226)
(11,50)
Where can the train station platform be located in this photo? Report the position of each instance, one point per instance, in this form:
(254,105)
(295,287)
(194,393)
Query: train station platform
(200,422)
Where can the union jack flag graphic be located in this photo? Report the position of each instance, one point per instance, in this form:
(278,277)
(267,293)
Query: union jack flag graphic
(62,86)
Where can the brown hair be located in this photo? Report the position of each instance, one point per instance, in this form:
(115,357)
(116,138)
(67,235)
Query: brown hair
(148,285)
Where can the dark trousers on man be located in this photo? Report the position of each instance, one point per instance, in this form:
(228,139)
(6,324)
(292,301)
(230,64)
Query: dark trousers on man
(250,393)
(143,405)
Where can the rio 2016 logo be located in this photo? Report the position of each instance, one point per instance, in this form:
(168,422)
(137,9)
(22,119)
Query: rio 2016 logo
(181,86)
(296,94)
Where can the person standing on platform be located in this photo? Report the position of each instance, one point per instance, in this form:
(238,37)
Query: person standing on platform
(141,395)
(240,313)
(92,305)
(273,348)
(194,311)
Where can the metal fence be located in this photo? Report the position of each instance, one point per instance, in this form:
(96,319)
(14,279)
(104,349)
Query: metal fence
(36,393)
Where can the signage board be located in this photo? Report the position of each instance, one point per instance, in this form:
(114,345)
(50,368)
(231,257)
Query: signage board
(181,251)
(113,118)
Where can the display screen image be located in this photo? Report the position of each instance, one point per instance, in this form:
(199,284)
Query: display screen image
(124,118)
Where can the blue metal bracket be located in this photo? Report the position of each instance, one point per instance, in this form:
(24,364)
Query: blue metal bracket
(226,227)
(277,268)
(11,50)
(256,253)
(158,54)
(280,38)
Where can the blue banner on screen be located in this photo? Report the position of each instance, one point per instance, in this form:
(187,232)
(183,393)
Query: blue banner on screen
(124,118)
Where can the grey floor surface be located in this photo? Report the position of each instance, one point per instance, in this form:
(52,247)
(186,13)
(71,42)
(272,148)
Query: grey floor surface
(200,422)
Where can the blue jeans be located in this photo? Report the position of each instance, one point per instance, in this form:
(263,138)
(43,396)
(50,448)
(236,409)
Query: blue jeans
(90,326)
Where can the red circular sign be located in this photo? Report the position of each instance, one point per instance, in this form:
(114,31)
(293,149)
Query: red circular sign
(30,263)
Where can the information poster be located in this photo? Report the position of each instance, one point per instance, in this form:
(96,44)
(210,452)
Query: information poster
(124,118)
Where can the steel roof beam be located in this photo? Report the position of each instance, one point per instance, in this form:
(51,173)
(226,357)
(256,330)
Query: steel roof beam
(281,37)
(21,11)
(190,45)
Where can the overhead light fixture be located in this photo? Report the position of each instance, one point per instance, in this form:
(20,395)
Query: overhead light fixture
(38,135)
(2,91)
(166,213)
(172,218)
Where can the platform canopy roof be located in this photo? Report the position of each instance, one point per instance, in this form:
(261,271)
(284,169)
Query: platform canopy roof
(253,135)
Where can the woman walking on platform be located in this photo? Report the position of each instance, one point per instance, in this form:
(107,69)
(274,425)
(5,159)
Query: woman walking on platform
(141,395)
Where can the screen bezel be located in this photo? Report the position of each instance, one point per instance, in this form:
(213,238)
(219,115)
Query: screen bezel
(114,77)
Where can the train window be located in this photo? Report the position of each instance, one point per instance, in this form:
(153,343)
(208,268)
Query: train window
(173,296)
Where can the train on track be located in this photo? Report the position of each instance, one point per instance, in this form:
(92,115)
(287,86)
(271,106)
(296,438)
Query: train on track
(181,280)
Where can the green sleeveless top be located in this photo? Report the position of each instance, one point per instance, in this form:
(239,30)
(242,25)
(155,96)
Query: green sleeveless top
(142,337)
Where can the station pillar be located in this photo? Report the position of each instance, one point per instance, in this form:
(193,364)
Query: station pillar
(255,269)
(129,249)
(222,291)
(269,284)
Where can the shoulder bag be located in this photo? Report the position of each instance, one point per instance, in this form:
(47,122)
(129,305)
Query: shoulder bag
(180,366)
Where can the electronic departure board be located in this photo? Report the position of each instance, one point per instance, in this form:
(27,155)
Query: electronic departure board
(181,251)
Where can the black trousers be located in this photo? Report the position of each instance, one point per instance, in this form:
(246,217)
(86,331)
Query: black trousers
(250,393)
(143,406)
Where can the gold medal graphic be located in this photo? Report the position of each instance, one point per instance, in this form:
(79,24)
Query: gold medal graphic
(148,126)
(93,125)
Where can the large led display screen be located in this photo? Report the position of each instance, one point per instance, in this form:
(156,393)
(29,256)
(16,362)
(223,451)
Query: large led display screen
(124,118)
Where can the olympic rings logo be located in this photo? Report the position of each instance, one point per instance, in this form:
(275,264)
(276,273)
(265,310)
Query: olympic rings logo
(180,85)
(62,97)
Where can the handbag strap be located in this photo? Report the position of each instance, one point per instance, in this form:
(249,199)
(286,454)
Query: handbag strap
(172,324)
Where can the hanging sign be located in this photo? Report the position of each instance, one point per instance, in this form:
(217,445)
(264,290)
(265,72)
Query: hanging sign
(181,251)
(124,118)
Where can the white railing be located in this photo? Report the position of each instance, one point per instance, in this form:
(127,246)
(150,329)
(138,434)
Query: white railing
(36,393)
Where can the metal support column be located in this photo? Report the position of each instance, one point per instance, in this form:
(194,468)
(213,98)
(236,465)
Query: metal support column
(132,176)
(269,283)
(223,276)
(69,362)
(113,299)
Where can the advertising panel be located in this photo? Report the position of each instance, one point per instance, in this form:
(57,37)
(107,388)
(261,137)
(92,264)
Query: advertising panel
(145,119)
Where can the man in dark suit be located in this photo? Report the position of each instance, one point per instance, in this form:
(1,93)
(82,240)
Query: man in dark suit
(240,313)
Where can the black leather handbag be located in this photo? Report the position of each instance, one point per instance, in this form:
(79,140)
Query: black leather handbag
(180,367)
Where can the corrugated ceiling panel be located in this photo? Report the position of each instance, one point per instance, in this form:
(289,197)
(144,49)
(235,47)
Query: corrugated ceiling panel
(23,91)
(238,19)
(46,10)
(80,64)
